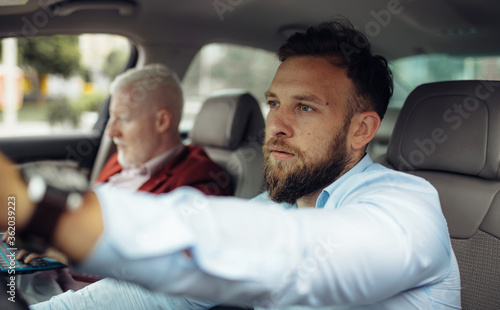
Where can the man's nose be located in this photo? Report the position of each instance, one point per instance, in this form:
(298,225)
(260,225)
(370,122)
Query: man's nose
(112,129)
(279,123)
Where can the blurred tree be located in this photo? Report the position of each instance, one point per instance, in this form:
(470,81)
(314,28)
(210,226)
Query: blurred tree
(244,67)
(90,102)
(234,67)
(59,54)
(115,63)
(62,112)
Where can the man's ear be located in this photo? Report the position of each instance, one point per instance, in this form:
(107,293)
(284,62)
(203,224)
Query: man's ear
(364,126)
(163,120)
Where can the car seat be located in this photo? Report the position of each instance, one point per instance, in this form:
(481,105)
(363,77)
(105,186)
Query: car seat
(449,134)
(230,127)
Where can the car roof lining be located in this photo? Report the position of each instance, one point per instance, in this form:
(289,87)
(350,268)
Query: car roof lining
(451,27)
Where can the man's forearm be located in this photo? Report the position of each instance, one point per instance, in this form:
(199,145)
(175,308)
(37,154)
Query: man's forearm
(77,232)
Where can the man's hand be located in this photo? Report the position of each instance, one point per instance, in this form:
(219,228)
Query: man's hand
(76,232)
(13,197)
(51,252)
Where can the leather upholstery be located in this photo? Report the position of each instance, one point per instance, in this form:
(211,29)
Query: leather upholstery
(449,134)
(378,145)
(230,127)
(450,126)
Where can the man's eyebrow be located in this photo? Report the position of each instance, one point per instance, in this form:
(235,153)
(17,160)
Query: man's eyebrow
(269,94)
(309,98)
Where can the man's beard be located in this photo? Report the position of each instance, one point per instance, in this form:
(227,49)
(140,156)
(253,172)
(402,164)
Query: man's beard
(288,182)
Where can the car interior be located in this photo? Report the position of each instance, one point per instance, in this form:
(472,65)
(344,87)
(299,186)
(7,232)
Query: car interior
(461,161)
(443,122)
(230,127)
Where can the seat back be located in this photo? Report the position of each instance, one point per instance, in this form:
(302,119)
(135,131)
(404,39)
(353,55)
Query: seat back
(378,145)
(449,134)
(230,127)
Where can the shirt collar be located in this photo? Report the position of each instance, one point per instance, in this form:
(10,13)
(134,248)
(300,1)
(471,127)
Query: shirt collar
(364,163)
(153,165)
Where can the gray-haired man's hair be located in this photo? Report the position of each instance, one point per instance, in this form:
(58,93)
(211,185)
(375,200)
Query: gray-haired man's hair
(149,78)
(148,75)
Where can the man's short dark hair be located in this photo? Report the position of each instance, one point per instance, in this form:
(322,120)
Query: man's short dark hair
(344,46)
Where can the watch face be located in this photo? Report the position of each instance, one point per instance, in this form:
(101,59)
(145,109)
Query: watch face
(37,188)
(57,175)
(74,202)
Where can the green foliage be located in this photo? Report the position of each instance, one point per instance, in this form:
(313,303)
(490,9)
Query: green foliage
(90,102)
(85,74)
(57,54)
(62,112)
(115,63)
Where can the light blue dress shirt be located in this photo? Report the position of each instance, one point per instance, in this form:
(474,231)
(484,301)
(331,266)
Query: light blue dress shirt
(376,239)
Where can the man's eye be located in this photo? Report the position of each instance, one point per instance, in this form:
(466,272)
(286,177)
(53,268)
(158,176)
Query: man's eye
(305,108)
(273,103)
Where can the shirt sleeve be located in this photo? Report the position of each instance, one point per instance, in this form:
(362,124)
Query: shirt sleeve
(111,294)
(256,254)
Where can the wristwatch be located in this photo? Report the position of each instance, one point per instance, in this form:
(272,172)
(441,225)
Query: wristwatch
(54,188)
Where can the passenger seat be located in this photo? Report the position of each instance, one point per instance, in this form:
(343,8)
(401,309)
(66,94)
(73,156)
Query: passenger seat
(449,134)
(230,127)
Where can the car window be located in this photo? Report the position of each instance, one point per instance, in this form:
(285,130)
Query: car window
(224,66)
(57,84)
(410,72)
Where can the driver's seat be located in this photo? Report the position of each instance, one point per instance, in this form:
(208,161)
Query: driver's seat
(449,134)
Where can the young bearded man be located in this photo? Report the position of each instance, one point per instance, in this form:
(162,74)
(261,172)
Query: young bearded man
(333,230)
